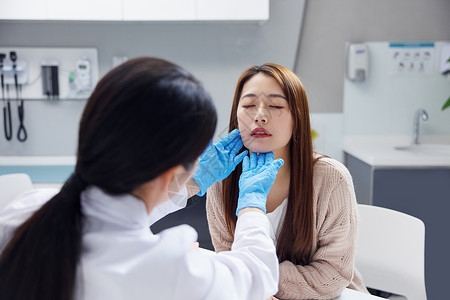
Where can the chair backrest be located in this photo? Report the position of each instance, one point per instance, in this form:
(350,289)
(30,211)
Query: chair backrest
(390,251)
(12,185)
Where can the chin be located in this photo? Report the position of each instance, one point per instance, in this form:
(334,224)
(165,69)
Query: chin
(252,147)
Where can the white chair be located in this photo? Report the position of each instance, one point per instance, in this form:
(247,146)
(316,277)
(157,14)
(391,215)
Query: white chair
(390,251)
(12,185)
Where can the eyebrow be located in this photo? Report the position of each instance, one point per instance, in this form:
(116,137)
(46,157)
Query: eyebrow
(270,96)
(277,96)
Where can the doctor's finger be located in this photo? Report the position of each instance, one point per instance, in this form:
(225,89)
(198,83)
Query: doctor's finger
(240,157)
(277,163)
(229,138)
(269,157)
(261,159)
(236,146)
(231,144)
(245,164)
(253,160)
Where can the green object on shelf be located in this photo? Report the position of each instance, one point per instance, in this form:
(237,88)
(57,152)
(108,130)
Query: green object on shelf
(314,134)
(72,77)
(446,104)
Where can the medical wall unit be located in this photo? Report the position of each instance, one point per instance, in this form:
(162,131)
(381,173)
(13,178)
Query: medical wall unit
(50,73)
(44,91)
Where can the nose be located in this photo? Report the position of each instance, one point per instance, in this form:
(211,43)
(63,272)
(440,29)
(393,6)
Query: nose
(261,116)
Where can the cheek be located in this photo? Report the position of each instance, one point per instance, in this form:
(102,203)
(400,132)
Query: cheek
(285,128)
(244,121)
(290,132)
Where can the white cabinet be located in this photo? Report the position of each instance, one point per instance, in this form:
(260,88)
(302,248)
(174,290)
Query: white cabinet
(23,10)
(195,10)
(100,10)
(135,10)
(223,10)
(158,10)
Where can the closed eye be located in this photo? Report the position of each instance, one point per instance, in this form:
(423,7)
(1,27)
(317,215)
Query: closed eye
(274,106)
(247,106)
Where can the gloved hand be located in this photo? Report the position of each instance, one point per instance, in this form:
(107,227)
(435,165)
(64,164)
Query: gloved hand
(257,178)
(218,161)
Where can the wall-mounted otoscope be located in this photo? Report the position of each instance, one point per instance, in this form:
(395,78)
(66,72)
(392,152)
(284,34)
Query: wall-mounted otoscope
(22,133)
(7,123)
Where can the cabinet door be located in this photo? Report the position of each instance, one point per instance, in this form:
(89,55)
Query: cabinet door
(98,10)
(232,10)
(158,10)
(23,10)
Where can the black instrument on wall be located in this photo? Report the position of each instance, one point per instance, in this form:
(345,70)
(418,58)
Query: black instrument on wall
(22,134)
(11,70)
(7,123)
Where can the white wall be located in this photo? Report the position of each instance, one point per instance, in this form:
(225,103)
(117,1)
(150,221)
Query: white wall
(385,103)
(216,52)
(329,128)
(328,25)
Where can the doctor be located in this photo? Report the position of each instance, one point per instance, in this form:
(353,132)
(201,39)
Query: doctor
(140,136)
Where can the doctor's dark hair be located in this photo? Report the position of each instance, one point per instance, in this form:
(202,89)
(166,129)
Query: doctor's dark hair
(144,117)
(295,240)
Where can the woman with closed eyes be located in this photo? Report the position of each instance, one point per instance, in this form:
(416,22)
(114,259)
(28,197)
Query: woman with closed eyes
(311,205)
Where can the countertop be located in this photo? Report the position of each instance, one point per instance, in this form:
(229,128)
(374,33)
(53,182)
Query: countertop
(41,169)
(379,151)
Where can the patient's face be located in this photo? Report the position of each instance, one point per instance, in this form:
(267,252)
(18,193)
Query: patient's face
(264,118)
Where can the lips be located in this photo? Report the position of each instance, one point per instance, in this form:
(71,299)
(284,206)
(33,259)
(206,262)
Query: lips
(260,132)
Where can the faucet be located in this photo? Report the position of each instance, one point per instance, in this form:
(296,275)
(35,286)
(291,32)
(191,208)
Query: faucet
(420,114)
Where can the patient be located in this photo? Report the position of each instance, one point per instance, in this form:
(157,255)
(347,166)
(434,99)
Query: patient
(311,206)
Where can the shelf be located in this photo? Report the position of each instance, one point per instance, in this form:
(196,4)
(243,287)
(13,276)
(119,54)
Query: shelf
(47,99)
(41,169)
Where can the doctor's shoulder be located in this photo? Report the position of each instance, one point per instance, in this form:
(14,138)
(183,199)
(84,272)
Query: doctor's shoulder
(26,203)
(17,211)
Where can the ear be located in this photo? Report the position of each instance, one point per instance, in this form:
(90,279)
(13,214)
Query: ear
(156,190)
(168,176)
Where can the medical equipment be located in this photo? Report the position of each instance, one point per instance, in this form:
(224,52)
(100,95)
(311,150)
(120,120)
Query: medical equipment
(83,75)
(22,133)
(7,123)
(357,62)
(50,83)
(81,79)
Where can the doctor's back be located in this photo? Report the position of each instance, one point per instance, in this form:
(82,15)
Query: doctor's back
(121,259)
(141,133)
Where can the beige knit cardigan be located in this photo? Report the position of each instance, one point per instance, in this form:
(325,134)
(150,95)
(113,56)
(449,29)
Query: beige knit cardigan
(331,267)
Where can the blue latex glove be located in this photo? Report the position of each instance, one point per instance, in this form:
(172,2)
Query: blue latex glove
(218,161)
(257,178)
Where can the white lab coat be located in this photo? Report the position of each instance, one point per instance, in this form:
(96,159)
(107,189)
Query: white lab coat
(122,259)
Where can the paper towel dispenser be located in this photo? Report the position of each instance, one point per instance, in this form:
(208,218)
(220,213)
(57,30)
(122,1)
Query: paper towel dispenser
(357,62)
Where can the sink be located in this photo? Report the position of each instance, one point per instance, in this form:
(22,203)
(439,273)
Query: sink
(426,149)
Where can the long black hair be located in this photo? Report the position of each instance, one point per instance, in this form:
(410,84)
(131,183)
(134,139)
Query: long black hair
(144,117)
